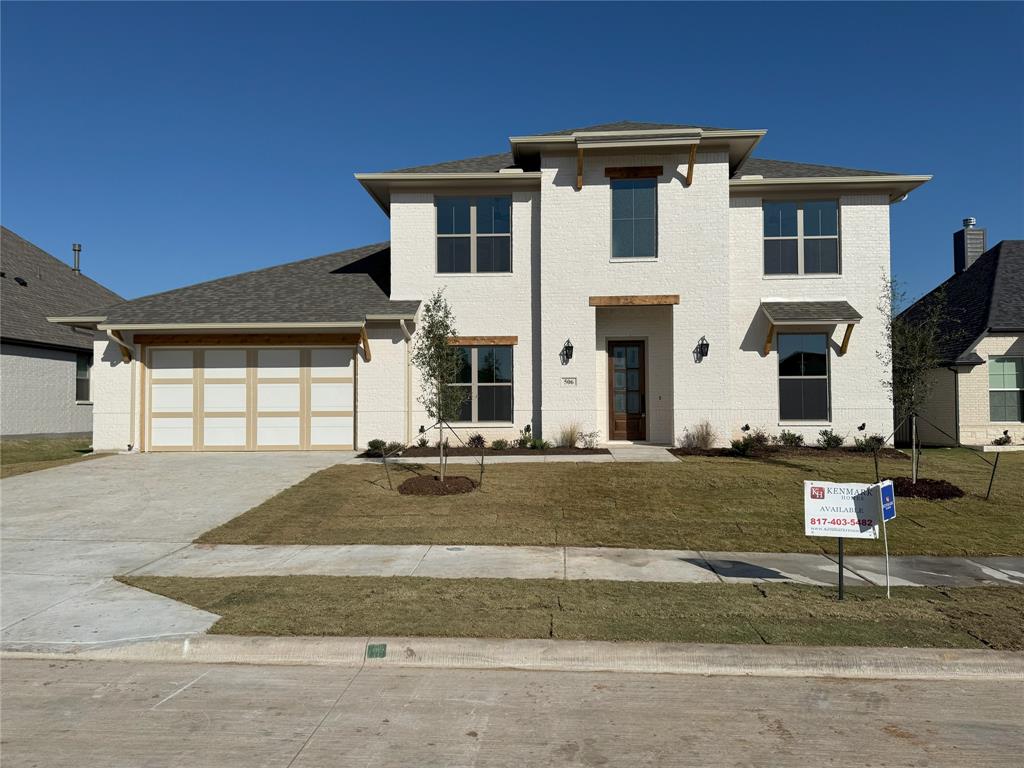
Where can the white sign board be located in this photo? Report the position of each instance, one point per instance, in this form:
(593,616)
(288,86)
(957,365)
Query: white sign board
(840,510)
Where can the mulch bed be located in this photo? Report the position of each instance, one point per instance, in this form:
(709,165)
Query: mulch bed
(783,451)
(431,485)
(431,452)
(925,489)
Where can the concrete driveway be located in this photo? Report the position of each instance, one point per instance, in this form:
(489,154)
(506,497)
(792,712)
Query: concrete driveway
(65,531)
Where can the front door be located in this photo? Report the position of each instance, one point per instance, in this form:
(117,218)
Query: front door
(627,391)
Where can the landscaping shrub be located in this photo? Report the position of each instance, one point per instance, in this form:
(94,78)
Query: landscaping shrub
(702,436)
(759,438)
(539,445)
(790,439)
(376,447)
(500,444)
(569,434)
(869,444)
(422,442)
(742,446)
(1003,439)
(525,438)
(476,440)
(829,440)
(394,448)
(589,439)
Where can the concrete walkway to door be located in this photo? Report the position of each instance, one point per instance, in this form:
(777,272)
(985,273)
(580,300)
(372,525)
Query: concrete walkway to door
(65,531)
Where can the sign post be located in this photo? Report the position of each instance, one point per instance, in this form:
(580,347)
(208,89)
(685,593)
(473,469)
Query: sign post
(887,507)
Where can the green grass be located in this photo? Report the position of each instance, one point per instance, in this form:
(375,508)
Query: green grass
(788,614)
(28,454)
(716,504)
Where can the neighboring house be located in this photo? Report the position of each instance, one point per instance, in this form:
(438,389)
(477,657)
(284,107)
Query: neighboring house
(44,368)
(586,269)
(978,393)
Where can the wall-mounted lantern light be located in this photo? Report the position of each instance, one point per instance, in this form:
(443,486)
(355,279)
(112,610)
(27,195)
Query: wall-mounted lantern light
(566,353)
(701,350)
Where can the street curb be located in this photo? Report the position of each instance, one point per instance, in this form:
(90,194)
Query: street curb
(566,656)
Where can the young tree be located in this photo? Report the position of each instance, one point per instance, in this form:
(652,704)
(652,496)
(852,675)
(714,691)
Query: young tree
(912,352)
(439,363)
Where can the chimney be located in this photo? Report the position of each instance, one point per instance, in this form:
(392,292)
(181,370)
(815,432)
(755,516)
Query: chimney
(77,248)
(968,245)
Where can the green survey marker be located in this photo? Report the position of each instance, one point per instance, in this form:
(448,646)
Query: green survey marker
(376,650)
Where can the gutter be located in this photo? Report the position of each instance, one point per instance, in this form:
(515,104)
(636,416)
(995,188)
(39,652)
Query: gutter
(221,326)
(903,184)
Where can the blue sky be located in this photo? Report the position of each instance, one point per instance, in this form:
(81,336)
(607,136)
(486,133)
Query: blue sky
(181,142)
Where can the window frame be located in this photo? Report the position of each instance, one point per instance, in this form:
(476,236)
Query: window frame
(827,377)
(991,389)
(83,360)
(800,237)
(611,219)
(474,383)
(473,235)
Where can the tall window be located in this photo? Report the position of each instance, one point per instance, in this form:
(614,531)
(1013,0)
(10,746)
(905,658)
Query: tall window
(486,374)
(1006,388)
(801,238)
(474,234)
(83,363)
(803,377)
(634,218)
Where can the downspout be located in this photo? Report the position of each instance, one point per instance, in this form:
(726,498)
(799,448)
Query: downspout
(408,383)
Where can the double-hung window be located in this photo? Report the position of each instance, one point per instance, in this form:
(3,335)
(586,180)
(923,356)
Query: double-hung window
(474,234)
(634,218)
(486,375)
(83,362)
(803,377)
(1006,388)
(801,238)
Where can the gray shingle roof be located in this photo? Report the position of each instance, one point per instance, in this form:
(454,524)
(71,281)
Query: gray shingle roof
(50,288)
(987,296)
(480,164)
(339,287)
(785,169)
(810,312)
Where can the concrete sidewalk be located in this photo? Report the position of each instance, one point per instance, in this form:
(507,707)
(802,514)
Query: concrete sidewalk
(574,563)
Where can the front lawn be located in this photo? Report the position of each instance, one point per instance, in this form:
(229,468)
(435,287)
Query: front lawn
(715,504)
(28,454)
(786,614)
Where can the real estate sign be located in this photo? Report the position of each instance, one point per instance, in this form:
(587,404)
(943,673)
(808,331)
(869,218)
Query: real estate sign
(841,510)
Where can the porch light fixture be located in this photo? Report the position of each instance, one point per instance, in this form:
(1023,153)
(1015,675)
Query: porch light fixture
(701,350)
(566,353)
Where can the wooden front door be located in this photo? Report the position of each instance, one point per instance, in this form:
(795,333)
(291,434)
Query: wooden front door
(627,391)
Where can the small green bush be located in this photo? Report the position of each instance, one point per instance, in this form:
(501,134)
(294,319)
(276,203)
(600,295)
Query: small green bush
(589,439)
(394,448)
(500,444)
(376,447)
(422,442)
(525,438)
(759,438)
(790,439)
(539,445)
(1004,439)
(742,446)
(701,437)
(476,440)
(829,440)
(869,444)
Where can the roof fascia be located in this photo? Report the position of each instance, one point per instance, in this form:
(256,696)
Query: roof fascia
(379,185)
(225,326)
(898,187)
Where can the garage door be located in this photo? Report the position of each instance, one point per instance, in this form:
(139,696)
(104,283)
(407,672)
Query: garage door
(247,399)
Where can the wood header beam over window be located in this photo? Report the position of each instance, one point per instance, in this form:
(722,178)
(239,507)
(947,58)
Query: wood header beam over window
(634,301)
(693,160)
(634,172)
(246,339)
(579,169)
(365,343)
(483,341)
(846,339)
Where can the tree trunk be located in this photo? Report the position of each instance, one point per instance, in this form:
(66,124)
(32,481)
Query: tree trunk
(440,447)
(913,447)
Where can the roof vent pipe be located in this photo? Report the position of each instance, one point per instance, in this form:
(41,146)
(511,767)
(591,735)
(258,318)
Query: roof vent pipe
(968,245)
(77,248)
(969,222)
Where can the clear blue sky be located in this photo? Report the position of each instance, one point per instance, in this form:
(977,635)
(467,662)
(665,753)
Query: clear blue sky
(181,142)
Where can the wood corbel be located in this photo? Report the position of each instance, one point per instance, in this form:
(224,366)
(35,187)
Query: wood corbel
(365,343)
(693,160)
(846,339)
(579,169)
(126,354)
(768,339)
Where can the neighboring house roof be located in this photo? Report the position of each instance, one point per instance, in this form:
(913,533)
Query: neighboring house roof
(796,312)
(34,286)
(987,297)
(341,287)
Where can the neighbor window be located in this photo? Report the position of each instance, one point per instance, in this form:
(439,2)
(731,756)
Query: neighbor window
(634,218)
(474,234)
(83,363)
(1006,388)
(803,377)
(801,238)
(486,375)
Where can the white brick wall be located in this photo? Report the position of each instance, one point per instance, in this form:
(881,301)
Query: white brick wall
(113,397)
(37,390)
(976,428)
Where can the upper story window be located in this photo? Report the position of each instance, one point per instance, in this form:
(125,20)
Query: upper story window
(803,377)
(634,218)
(1006,388)
(474,234)
(801,238)
(486,375)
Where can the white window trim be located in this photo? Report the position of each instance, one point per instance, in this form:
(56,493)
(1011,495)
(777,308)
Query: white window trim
(472,235)
(992,389)
(827,377)
(474,386)
(801,237)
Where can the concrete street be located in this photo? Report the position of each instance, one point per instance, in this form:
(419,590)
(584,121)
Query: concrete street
(115,714)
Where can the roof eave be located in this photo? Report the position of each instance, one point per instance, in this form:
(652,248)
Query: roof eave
(90,322)
(116,326)
(379,185)
(897,187)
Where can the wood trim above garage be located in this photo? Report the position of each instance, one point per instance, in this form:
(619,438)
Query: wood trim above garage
(247,339)
(483,341)
(634,301)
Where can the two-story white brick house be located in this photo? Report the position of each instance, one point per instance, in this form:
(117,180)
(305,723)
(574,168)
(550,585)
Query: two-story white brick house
(636,278)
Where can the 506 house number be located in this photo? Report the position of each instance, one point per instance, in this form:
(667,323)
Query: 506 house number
(569,381)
